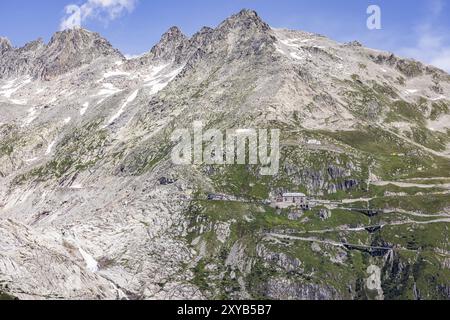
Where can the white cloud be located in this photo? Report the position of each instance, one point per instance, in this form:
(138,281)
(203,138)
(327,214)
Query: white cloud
(104,10)
(73,18)
(432,45)
(430,48)
(442,60)
(133,56)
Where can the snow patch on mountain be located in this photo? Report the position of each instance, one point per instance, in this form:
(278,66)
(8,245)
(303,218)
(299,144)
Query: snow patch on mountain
(155,71)
(84,108)
(442,124)
(129,100)
(31,116)
(157,81)
(50,147)
(291,49)
(115,73)
(441,97)
(411,91)
(13,86)
(108,90)
(91,263)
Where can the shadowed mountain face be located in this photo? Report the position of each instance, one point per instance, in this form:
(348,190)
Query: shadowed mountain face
(91,205)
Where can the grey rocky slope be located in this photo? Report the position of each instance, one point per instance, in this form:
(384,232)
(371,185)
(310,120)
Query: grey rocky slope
(67,50)
(87,204)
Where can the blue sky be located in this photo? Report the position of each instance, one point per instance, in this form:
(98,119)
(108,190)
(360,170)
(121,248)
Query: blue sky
(414,28)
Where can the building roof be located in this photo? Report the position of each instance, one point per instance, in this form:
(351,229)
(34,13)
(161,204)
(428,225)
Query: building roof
(294,194)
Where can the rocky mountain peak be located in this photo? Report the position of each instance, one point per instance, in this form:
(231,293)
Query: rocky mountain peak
(244,34)
(204,30)
(5,45)
(75,47)
(202,37)
(33,46)
(173,34)
(247,19)
(175,46)
(200,42)
(78,41)
(66,51)
(172,42)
